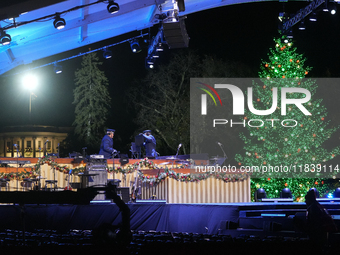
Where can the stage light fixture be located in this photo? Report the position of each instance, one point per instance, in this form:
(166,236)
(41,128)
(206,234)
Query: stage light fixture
(336,193)
(57,68)
(107,53)
(290,35)
(59,23)
(313,17)
(112,7)
(159,47)
(332,8)
(317,195)
(5,38)
(325,6)
(259,194)
(135,47)
(302,25)
(155,54)
(286,193)
(149,63)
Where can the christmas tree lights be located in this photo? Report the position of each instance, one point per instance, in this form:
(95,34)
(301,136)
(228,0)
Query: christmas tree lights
(295,141)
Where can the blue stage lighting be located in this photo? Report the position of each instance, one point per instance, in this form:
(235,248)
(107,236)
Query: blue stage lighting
(112,7)
(286,193)
(135,47)
(59,23)
(259,194)
(5,38)
(336,193)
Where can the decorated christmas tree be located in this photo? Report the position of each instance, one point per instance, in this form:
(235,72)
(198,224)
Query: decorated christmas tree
(291,143)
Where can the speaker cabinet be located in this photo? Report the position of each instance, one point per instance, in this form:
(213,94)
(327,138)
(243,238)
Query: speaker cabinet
(175,34)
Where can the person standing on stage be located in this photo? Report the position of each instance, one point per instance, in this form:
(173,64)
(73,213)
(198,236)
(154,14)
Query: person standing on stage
(149,144)
(106,146)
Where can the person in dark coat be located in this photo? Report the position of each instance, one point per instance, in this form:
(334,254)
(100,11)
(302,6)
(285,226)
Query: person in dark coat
(149,144)
(318,221)
(106,146)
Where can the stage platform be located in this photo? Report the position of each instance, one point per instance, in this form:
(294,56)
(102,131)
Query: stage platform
(217,219)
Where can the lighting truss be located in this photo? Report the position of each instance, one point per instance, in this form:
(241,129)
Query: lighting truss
(51,16)
(154,46)
(286,26)
(81,54)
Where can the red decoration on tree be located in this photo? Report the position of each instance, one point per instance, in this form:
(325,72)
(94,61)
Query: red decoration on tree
(322,118)
(314,135)
(283,76)
(316,183)
(266,65)
(268,179)
(291,60)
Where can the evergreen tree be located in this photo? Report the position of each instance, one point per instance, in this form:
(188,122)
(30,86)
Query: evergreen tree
(92,101)
(296,143)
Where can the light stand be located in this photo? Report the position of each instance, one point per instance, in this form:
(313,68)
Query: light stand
(45,148)
(179,146)
(16,147)
(39,184)
(221,146)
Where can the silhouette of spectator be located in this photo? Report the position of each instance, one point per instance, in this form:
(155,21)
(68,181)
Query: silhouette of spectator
(318,221)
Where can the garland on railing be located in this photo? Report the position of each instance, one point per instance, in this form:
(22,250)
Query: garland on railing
(190,177)
(33,171)
(165,172)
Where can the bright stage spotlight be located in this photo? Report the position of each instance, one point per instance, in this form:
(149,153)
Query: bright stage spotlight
(5,38)
(30,81)
(332,8)
(149,63)
(59,23)
(135,47)
(112,7)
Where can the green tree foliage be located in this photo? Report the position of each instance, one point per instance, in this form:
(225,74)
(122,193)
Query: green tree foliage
(162,99)
(298,142)
(300,148)
(92,101)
